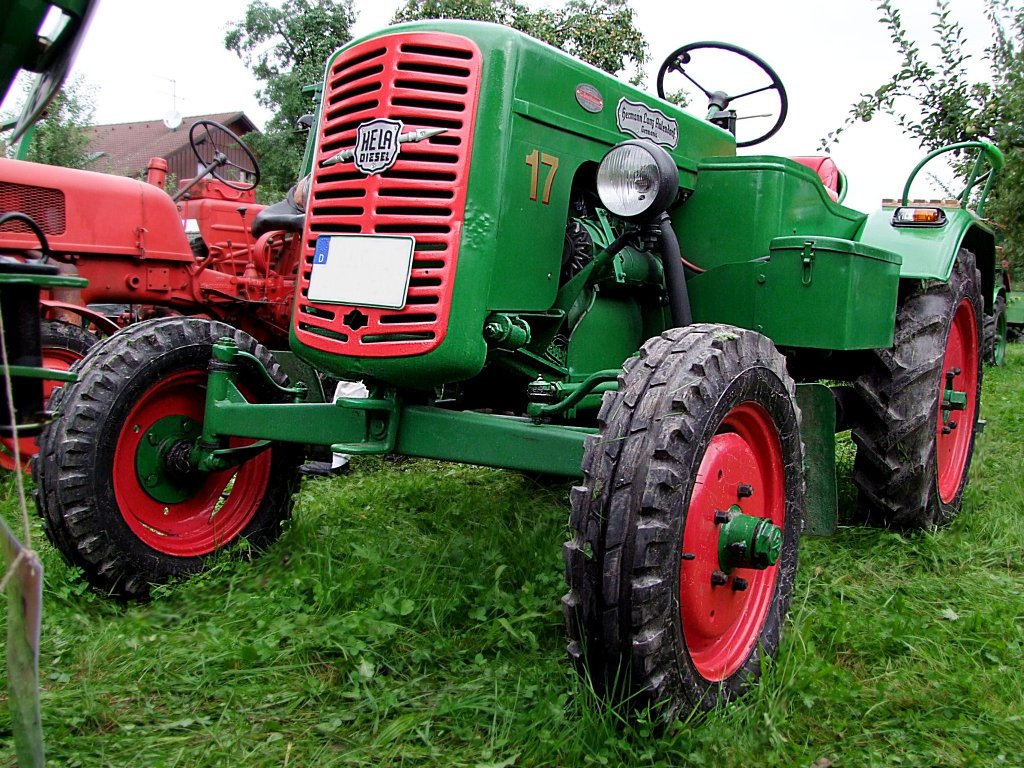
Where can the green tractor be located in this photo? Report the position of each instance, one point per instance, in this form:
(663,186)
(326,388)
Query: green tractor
(535,266)
(1008,320)
(1014,315)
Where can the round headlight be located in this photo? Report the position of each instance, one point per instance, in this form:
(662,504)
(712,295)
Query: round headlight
(637,179)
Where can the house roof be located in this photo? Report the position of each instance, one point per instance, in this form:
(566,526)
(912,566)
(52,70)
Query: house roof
(126,148)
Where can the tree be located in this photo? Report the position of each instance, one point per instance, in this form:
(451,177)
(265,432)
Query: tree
(286,48)
(935,100)
(60,136)
(1004,121)
(601,32)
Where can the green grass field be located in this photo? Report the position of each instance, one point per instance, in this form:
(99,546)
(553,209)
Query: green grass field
(410,616)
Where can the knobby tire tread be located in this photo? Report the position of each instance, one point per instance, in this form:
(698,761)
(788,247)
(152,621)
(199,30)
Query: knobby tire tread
(620,584)
(65,474)
(895,470)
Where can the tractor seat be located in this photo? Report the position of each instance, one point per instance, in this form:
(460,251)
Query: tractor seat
(281,216)
(827,171)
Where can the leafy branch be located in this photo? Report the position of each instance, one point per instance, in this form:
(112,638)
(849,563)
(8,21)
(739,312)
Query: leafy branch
(600,32)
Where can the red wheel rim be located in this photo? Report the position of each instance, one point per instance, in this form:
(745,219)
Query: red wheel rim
(55,360)
(953,445)
(720,624)
(220,508)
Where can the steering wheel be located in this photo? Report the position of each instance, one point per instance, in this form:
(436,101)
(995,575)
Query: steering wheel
(719,101)
(215,146)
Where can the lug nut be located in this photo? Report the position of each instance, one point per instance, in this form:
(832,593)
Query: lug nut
(739,584)
(718,578)
(689,556)
(722,517)
(744,490)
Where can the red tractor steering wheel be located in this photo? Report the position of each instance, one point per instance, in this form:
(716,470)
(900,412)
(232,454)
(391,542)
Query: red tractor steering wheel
(214,145)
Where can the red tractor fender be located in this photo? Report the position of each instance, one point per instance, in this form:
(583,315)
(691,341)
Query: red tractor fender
(101,322)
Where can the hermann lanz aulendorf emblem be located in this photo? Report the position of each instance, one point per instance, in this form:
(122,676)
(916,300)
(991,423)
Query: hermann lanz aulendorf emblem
(377,145)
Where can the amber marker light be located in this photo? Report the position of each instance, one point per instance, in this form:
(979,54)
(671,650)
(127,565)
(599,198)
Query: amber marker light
(918,217)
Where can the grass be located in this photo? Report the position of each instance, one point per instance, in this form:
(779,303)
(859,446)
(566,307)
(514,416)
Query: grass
(410,616)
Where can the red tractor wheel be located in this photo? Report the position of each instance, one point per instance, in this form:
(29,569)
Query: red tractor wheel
(116,491)
(721,626)
(922,398)
(687,523)
(63,345)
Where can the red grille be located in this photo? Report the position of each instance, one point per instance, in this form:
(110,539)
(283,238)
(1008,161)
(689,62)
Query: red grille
(44,205)
(425,80)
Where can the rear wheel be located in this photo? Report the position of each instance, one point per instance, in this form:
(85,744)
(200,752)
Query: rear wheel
(62,345)
(922,399)
(995,332)
(114,487)
(686,526)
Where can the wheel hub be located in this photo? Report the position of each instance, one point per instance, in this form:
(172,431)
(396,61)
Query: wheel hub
(161,460)
(745,541)
(952,399)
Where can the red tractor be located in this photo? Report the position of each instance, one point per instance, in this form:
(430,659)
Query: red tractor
(209,250)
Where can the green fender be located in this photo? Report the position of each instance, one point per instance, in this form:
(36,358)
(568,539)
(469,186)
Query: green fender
(929,252)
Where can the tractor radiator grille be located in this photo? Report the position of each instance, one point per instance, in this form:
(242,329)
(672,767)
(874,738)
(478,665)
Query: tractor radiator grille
(44,205)
(424,80)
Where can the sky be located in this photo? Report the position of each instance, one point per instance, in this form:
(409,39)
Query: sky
(145,59)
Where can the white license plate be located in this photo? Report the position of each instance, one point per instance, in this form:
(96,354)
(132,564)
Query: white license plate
(361,270)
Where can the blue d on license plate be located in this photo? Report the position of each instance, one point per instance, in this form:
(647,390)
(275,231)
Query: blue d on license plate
(361,270)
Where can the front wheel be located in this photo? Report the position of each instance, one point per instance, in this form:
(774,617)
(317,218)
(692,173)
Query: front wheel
(686,527)
(113,501)
(62,345)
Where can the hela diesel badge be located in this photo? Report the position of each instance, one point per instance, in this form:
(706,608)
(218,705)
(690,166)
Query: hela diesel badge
(377,145)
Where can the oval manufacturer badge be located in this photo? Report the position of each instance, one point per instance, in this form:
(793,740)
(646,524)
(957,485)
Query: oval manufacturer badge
(589,98)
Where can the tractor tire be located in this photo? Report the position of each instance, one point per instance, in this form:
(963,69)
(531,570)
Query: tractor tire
(995,333)
(62,345)
(66,337)
(705,418)
(914,443)
(145,386)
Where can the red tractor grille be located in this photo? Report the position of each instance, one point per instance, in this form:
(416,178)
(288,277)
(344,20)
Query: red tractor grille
(44,205)
(424,80)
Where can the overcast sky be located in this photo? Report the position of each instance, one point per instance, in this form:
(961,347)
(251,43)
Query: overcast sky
(826,52)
